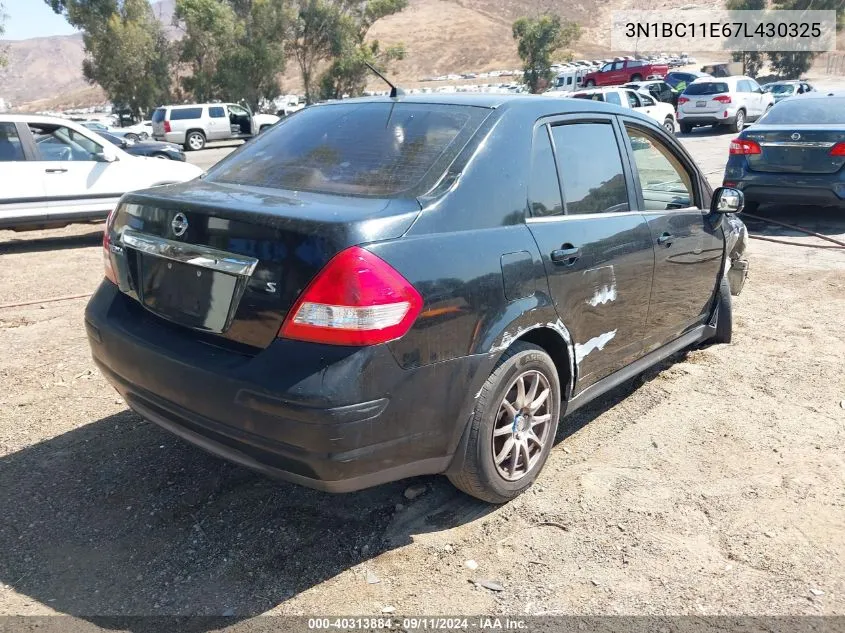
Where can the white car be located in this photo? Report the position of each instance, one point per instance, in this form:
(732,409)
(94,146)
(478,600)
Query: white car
(722,101)
(54,172)
(663,113)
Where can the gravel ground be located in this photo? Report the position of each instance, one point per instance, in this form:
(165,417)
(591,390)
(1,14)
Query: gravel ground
(713,484)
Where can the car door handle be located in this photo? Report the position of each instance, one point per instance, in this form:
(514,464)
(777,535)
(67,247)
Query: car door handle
(566,255)
(56,170)
(666,238)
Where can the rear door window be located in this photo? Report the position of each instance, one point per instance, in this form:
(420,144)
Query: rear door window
(159,115)
(217,112)
(180,114)
(594,183)
(544,188)
(11,148)
(379,149)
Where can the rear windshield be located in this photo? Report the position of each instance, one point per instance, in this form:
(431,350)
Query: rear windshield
(158,115)
(780,89)
(707,88)
(180,114)
(807,111)
(360,149)
(595,96)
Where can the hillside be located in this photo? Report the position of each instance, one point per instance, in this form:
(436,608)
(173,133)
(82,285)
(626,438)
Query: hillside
(440,36)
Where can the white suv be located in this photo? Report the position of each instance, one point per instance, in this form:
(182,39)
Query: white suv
(193,125)
(661,112)
(54,172)
(729,101)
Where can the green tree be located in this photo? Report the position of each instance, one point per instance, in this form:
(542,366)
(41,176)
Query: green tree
(316,35)
(211,30)
(537,40)
(127,52)
(794,64)
(752,61)
(348,73)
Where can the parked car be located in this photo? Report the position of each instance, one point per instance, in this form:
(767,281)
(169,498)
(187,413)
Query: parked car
(55,172)
(728,101)
(794,154)
(657,89)
(663,113)
(680,80)
(142,130)
(382,288)
(192,126)
(100,128)
(153,149)
(781,90)
(623,71)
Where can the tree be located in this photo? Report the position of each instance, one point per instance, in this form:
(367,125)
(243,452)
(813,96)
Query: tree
(127,51)
(752,61)
(796,63)
(537,40)
(2,31)
(315,35)
(348,73)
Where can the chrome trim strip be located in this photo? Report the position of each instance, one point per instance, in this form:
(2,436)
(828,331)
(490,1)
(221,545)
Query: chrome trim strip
(821,144)
(194,254)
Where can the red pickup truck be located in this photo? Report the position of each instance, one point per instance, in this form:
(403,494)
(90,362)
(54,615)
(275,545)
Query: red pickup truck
(624,71)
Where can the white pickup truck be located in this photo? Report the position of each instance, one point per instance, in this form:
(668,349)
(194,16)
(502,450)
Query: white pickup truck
(663,113)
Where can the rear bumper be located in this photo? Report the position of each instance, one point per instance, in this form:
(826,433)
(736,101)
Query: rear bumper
(336,419)
(717,118)
(793,189)
(171,137)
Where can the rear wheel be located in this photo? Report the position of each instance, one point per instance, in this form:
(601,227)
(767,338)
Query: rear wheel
(724,316)
(162,156)
(739,122)
(669,125)
(512,427)
(590,83)
(195,141)
(636,77)
(686,128)
(131,136)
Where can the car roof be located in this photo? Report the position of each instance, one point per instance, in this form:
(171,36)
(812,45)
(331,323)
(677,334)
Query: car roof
(786,81)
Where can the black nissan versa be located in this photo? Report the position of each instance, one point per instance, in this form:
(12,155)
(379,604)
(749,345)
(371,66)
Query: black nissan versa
(389,287)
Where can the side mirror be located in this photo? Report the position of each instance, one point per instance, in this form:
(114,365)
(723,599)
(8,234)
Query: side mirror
(727,200)
(105,157)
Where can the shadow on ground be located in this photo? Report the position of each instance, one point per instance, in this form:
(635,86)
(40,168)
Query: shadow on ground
(828,221)
(119,518)
(34,245)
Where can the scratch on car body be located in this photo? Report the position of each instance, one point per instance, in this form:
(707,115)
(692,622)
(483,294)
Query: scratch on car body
(596,343)
(603,295)
(604,284)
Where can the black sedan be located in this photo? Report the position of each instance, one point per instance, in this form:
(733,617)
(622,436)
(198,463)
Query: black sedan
(383,288)
(794,154)
(153,149)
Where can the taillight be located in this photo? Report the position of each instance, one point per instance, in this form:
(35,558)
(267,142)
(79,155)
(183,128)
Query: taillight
(357,299)
(744,147)
(109,268)
(167,126)
(722,98)
(682,100)
(838,150)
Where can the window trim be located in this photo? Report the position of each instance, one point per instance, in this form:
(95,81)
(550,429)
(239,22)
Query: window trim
(25,139)
(621,144)
(528,199)
(673,146)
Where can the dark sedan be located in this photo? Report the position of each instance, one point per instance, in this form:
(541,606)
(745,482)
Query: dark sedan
(382,288)
(794,154)
(153,149)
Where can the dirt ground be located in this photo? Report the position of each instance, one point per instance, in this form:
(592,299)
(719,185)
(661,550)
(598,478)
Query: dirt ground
(714,484)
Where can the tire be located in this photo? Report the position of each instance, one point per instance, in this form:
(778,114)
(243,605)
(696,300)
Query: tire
(669,125)
(163,156)
(590,83)
(144,136)
(739,123)
(195,141)
(636,78)
(264,128)
(479,475)
(131,136)
(686,128)
(724,315)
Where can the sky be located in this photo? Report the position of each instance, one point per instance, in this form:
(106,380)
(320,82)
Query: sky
(32,18)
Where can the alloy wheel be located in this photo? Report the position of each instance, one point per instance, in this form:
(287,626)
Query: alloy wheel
(521,429)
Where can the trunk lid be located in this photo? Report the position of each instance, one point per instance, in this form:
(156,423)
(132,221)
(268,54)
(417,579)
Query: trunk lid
(795,148)
(702,97)
(229,261)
